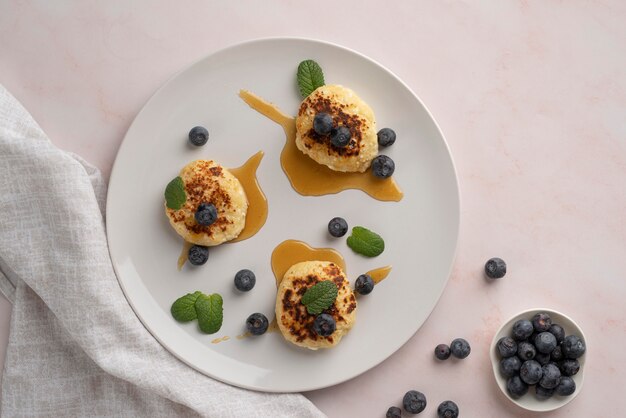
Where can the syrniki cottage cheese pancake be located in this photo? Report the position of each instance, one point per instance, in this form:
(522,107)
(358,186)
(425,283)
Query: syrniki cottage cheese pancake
(205,181)
(346,109)
(295,323)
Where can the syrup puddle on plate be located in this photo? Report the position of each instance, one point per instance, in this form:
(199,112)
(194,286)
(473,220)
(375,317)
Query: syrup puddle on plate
(220,340)
(309,178)
(256,215)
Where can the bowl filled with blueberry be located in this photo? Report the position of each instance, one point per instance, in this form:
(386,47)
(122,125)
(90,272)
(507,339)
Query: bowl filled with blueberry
(538,359)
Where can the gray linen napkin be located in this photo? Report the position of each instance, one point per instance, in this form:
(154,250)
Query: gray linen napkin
(76,348)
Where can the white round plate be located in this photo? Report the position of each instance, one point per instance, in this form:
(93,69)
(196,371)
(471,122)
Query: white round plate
(420,232)
(529,401)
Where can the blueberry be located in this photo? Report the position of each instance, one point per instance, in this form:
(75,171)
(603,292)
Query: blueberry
(364,284)
(257,323)
(447,409)
(460,348)
(569,367)
(530,372)
(507,347)
(386,137)
(414,402)
(322,123)
(340,137)
(245,280)
(566,386)
(337,227)
(394,412)
(573,347)
(557,354)
(551,375)
(542,358)
(542,393)
(516,387)
(558,332)
(198,136)
(383,166)
(545,342)
(510,366)
(324,325)
(542,322)
(442,351)
(495,268)
(198,255)
(526,351)
(522,329)
(206,214)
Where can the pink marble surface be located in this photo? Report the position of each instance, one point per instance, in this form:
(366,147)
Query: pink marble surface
(530,95)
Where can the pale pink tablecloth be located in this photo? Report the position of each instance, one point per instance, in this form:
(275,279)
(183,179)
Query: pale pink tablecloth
(530,95)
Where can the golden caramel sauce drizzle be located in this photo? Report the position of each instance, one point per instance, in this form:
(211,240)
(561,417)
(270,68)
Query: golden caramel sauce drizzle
(244,335)
(379,274)
(220,340)
(273,326)
(309,178)
(291,252)
(256,214)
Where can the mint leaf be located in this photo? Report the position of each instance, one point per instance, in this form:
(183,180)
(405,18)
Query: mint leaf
(183,309)
(310,77)
(320,297)
(175,196)
(210,312)
(366,242)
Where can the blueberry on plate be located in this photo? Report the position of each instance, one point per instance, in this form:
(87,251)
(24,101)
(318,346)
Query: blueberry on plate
(569,367)
(324,325)
(245,280)
(542,322)
(507,347)
(394,412)
(340,137)
(337,227)
(383,166)
(526,351)
(566,386)
(551,375)
(447,409)
(522,329)
(573,347)
(322,123)
(495,268)
(414,402)
(510,366)
(442,351)
(386,137)
(516,387)
(460,348)
(530,372)
(257,324)
(198,136)
(542,393)
(545,342)
(558,332)
(198,255)
(364,284)
(206,214)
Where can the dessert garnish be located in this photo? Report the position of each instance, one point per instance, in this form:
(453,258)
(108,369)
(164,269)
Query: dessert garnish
(319,297)
(324,325)
(257,324)
(245,280)
(365,242)
(198,136)
(198,255)
(175,195)
(364,284)
(207,309)
(337,227)
(206,214)
(386,137)
(310,76)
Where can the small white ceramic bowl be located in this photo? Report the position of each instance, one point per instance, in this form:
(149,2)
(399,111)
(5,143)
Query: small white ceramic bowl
(530,401)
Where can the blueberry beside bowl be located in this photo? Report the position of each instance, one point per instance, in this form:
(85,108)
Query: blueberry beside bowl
(529,397)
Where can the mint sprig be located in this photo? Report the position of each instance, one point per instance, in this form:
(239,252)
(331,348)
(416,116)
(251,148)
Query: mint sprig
(210,312)
(175,196)
(366,242)
(183,309)
(319,297)
(310,77)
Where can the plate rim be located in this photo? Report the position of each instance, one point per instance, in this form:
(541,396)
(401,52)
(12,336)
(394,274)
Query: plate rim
(260,40)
